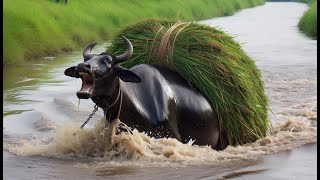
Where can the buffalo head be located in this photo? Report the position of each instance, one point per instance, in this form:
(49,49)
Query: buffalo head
(99,72)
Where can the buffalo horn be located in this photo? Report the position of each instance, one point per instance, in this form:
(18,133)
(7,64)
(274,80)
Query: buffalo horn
(126,55)
(87,51)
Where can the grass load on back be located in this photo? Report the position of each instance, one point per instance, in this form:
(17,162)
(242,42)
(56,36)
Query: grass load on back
(213,63)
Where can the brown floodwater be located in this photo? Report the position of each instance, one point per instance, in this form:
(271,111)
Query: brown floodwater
(42,116)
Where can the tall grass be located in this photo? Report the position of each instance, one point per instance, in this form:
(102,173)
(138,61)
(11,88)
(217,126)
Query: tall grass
(38,28)
(308,22)
(303,1)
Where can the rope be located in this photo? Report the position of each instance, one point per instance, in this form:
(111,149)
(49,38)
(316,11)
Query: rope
(165,40)
(174,40)
(112,104)
(118,116)
(119,91)
(154,42)
(93,112)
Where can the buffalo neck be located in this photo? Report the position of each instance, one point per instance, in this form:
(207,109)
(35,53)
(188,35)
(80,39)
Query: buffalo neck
(119,104)
(106,92)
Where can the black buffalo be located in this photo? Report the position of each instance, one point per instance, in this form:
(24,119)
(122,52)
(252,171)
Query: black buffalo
(151,98)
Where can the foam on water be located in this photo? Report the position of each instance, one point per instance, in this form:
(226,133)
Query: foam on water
(44,124)
(105,147)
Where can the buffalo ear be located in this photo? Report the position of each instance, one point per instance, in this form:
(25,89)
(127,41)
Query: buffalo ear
(126,75)
(71,71)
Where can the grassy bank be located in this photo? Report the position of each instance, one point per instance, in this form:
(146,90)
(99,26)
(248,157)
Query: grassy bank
(303,1)
(308,22)
(38,28)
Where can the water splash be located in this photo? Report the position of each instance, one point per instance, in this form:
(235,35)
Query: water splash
(105,146)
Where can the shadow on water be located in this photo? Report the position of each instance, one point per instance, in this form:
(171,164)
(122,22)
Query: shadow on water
(21,81)
(32,81)
(241,173)
(28,75)
(113,171)
(280,166)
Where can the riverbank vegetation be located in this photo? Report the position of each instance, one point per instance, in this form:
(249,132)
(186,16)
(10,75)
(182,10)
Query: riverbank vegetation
(303,1)
(38,28)
(308,22)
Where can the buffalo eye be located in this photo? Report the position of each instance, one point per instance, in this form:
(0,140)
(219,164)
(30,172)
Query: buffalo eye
(108,60)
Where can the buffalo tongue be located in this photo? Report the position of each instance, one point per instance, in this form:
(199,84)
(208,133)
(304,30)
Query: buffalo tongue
(87,86)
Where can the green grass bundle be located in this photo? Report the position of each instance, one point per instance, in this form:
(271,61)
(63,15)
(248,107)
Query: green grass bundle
(212,62)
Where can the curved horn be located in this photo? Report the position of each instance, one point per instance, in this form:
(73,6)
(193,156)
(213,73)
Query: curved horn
(87,51)
(128,53)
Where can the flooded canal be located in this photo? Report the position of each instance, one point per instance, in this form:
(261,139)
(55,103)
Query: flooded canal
(42,116)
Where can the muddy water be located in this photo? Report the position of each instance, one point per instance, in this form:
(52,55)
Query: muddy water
(42,116)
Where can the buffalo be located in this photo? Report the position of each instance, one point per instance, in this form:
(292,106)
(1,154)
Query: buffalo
(150,98)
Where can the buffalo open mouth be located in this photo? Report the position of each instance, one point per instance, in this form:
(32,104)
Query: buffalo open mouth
(87,86)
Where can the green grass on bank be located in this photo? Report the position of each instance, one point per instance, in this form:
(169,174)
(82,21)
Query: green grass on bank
(303,1)
(308,22)
(38,28)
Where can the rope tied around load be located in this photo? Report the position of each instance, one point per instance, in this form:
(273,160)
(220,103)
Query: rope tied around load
(165,45)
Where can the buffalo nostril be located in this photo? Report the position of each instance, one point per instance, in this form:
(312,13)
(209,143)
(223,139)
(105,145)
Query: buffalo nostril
(87,66)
